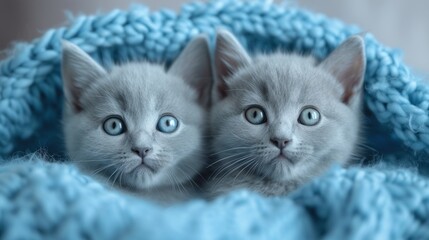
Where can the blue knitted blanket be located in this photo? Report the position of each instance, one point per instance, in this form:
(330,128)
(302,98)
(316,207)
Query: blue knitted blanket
(42,199)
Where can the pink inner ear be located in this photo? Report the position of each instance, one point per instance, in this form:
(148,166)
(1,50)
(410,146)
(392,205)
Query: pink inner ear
(229,56)
(226,66)
(203,92)
(222,90)
(77,107)
(347,64)
(74,98)
(351,80)
(223,73)
(347,95)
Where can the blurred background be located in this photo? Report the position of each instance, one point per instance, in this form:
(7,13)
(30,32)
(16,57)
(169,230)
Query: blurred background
(397,23)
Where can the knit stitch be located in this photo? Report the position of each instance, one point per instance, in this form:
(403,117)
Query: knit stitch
(40,200)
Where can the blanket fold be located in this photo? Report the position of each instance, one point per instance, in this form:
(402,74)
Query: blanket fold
(40,200)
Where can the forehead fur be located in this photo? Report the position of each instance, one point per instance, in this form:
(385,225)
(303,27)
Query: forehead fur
(139,87)
(278,78)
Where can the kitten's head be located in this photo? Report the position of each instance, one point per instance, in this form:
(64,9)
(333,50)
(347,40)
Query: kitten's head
(285,117)
(137,125)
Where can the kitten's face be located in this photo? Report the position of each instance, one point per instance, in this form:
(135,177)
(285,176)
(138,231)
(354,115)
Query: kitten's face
(284,118)
(269,106)
(129,115)
(137,126)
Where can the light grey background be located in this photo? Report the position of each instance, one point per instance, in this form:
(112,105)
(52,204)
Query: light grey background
(397,23)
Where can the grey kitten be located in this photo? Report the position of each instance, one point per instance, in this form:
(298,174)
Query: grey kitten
(136,125)
(279,120)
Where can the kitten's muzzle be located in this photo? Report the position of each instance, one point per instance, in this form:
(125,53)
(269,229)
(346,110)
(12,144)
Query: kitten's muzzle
(280,142)
(142,152)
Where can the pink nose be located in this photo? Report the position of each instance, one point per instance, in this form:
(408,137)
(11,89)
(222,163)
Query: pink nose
(142,152)
(280,143)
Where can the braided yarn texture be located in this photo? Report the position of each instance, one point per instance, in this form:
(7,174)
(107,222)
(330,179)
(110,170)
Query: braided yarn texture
(31,85)
(40,200)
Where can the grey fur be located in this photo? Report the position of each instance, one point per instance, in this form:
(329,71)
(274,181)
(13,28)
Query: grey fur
(140,93)
(244,155)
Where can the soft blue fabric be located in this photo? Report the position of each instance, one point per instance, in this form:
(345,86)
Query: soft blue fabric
(41,200)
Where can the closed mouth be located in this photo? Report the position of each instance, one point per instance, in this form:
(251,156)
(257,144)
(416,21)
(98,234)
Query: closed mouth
(282,157)
(145,166)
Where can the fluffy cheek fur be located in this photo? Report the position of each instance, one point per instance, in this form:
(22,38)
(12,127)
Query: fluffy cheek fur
(100,154)
(235,143)
(183,151)
(241,147)
(311,151)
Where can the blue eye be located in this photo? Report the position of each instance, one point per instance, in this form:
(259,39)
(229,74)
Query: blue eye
(255,115)
(309,116)
(167,124)
(114,126)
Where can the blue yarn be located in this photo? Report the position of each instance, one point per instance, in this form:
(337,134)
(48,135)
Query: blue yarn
(40,200)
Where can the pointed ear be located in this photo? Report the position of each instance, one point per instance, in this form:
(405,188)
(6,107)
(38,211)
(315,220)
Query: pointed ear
(347,63)
(229,56)
(194,66)
(79,70)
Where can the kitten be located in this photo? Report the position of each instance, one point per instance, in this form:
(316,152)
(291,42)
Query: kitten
(279,120)
(138,126)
